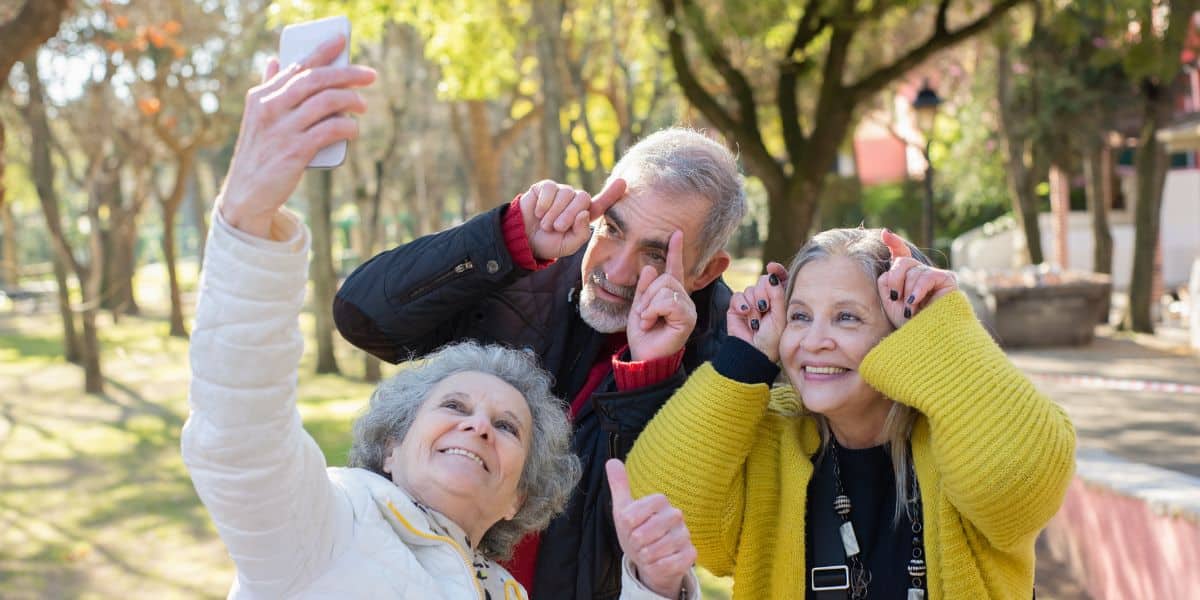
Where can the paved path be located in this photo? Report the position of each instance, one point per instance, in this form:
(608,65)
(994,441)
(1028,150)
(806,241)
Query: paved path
(1139,400)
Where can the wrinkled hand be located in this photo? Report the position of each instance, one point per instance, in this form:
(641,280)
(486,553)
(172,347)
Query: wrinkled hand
(294,113)
(758,315)
(909,285)
(556,216)
(652,534)
(661,314)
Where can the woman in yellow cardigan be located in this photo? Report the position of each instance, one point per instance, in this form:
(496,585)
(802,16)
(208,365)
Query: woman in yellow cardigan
(907,458)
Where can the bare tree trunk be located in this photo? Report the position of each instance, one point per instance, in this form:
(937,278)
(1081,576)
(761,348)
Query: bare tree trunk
(88,276)
(36,22)
(1097,170)
(371,224)
(90,283)
(1021,171)
(548,15)
(119,236)
(485,159)
(6,210)
(10,263)
(323,277)
(1060,207)
(71,348)
(170,205)
(1151,166)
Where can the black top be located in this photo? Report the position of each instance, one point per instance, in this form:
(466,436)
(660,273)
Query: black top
(869,481)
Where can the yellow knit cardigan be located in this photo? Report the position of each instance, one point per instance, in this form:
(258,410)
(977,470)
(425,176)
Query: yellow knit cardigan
(993,458)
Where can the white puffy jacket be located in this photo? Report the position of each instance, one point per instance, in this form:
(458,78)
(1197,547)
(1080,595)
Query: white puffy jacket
(294,528)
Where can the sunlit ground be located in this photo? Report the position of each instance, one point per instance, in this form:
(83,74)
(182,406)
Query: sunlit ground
(94,499)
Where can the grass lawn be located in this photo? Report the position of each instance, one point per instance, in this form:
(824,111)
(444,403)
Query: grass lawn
(94,499)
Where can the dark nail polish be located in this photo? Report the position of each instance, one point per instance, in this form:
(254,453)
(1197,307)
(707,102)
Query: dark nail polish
(773,278)
(894,296)
(744,307)
(910,299)
(762,306)
(907,312)
(754,324)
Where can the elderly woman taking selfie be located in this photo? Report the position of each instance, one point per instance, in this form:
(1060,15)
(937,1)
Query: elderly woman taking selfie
(454,460)
(905,457)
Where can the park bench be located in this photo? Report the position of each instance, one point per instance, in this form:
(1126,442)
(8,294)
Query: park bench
(32,299)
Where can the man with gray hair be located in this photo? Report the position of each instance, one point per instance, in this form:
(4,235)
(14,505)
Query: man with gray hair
(620,313)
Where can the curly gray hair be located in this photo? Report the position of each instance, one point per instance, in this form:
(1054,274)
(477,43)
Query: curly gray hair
(685,163)
(551,469)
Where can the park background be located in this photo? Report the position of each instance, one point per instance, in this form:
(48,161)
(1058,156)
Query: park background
(1029,144)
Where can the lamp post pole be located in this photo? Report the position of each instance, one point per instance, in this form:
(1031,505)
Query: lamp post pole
(927,208)
(925,105)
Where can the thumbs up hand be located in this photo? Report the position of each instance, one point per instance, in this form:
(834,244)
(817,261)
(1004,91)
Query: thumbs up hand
(652,534)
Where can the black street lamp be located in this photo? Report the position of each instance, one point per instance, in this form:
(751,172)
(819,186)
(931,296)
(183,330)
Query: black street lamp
(925,105)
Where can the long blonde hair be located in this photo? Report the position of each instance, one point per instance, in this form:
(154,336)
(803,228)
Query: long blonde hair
(865,247)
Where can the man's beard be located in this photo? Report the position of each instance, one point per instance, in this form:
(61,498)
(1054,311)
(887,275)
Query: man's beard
(599,313)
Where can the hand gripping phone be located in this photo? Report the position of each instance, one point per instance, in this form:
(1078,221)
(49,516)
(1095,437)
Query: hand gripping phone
(296,43)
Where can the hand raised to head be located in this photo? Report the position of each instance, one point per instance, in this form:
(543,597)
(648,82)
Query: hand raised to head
(909,285)
(556,216)
(758,314)
(296,111)
(652,534)
(662,314)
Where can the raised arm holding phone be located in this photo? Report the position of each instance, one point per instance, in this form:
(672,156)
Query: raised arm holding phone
(298,109)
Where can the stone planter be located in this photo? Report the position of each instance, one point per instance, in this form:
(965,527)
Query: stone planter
(1063,313)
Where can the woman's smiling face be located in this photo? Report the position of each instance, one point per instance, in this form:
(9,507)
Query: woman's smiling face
(466,446)
(834,318)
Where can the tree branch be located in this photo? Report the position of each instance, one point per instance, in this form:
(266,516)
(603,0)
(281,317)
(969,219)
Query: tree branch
(941,39)
(749,140)
(738,85)
(828,130)
(807,27)
(37,22)
(939,27)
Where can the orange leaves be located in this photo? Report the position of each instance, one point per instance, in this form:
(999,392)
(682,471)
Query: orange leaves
(153,35)
(147,37)
(149,106)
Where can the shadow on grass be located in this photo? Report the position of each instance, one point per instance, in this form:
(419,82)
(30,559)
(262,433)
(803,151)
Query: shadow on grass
(23,346)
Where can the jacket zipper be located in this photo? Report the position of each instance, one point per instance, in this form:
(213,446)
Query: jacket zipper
(458,270)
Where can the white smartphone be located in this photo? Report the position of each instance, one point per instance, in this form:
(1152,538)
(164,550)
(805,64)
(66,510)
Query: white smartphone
(296,43)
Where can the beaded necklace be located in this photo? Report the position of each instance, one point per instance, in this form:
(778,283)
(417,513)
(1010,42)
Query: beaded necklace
(860,577)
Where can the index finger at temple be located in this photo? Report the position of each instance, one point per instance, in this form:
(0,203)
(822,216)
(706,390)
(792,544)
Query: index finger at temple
(895,244)
(607,197)
(675,255)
